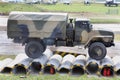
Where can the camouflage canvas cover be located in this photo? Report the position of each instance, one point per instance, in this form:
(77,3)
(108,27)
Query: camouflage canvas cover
(37,24)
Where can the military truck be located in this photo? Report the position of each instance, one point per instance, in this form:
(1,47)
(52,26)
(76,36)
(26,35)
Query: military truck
(110,3)
(67,2)
(37,30)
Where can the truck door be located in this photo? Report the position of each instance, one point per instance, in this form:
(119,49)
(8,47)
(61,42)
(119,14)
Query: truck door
(81,31)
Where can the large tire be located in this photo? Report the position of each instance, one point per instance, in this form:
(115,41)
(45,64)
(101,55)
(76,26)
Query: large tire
(34,49)
(97,50)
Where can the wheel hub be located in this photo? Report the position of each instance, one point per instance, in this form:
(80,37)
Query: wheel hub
(98,51)
(33,49)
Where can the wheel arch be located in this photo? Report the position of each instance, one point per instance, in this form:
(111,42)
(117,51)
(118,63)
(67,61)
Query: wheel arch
(102,39)
(27,40)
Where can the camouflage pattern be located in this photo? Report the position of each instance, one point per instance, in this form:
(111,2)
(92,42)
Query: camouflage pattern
(85,37)
(99,35)
(40,25)
(53,25)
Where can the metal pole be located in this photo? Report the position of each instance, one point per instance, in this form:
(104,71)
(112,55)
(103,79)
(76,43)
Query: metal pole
(116,61)
(92,66)
(38,64)
(22,67)
(53,64)
(8,68)
(4,62)
(66,65)
(78,67)
(107,67)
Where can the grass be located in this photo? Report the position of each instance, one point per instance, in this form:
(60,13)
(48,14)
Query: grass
(80,7)
(53,77)
(6,56)
(6,7)
(77,7)
(94,12)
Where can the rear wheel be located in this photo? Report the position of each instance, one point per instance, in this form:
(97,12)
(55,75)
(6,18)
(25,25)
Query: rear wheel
(34,49)
(97,51)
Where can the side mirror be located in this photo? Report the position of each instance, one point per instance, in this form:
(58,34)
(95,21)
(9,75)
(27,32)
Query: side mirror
(90,27)
(71,20)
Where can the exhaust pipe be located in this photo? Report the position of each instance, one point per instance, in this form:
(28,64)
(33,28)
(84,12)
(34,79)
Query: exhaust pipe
(4,62)
(107,67)
(92,66)
(78,67)
(38,64)
(22,67)
(66,65)
(53,64)
(116,61)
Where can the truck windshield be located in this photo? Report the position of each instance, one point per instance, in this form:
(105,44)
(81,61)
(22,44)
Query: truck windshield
(82,24)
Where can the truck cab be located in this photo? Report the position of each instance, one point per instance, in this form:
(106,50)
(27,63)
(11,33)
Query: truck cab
(95,40)
(82,28)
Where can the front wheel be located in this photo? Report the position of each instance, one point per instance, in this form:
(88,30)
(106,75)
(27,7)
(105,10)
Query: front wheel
(34,49)
(97,50)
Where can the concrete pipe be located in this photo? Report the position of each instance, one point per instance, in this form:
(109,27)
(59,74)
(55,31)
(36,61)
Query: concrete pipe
(78,67)
(53,64)
(22,67)
(66,64)
(8,68)
(116,61)
(38,64)
(4,62)
(92,66)
(107,67)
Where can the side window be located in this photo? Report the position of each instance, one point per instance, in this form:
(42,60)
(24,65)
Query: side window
(78,24)
(81,24)
(85,25)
